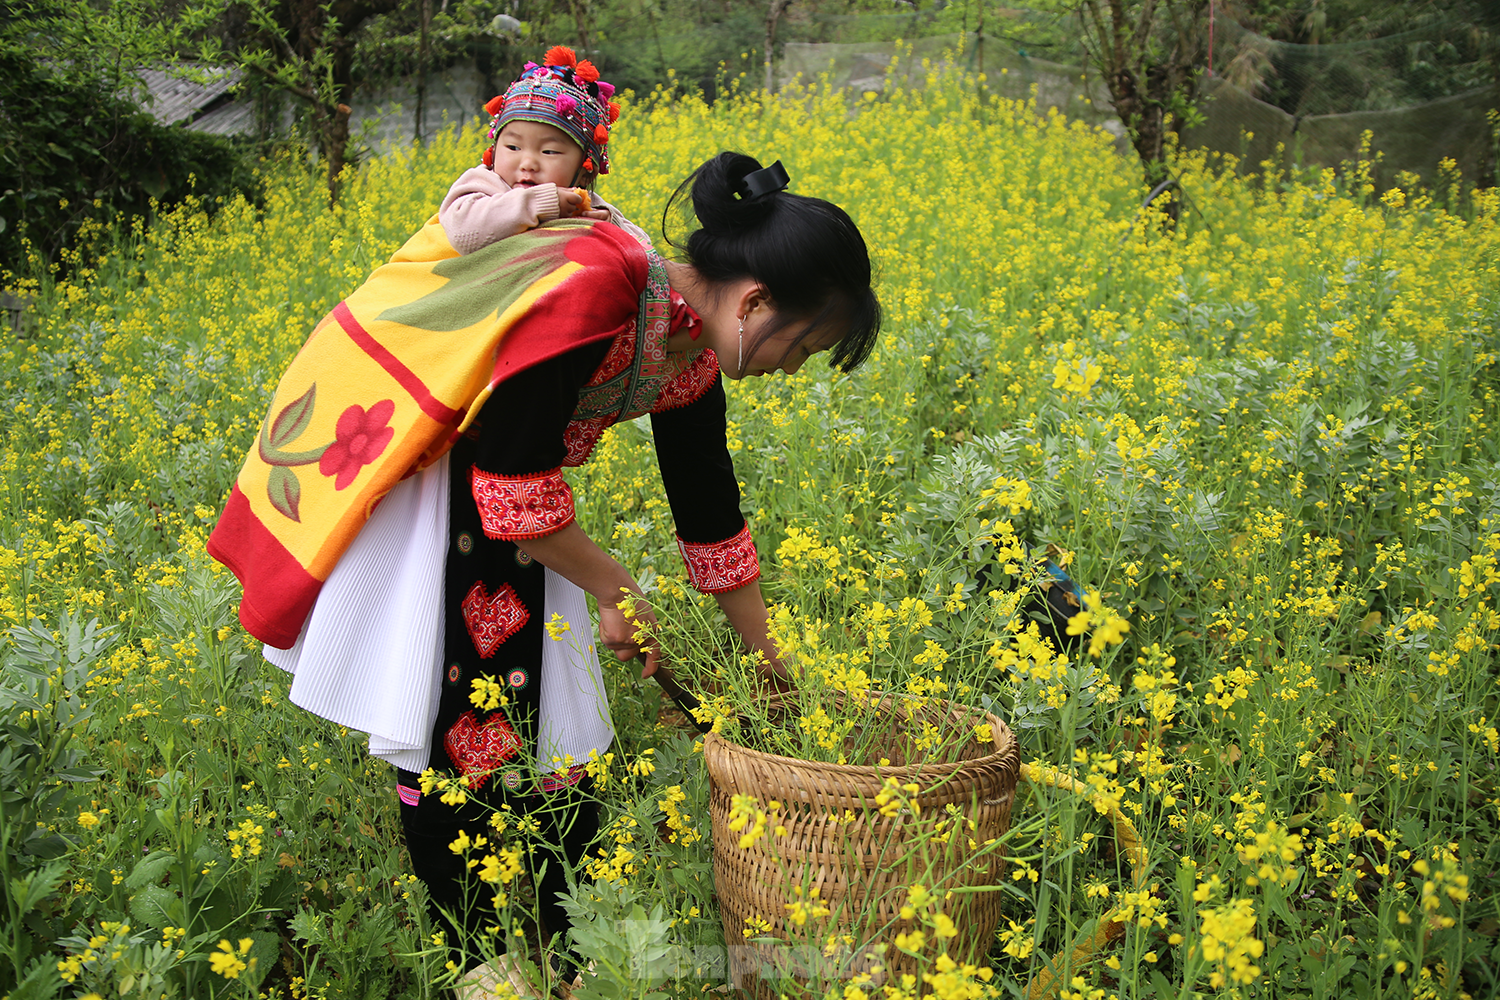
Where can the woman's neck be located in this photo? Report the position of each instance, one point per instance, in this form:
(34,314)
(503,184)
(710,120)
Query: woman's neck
(685,281)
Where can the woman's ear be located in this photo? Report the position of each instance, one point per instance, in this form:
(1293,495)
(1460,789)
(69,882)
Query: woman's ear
(752,297)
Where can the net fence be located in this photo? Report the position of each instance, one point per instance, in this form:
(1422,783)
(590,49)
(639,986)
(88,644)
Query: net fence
(1423,96)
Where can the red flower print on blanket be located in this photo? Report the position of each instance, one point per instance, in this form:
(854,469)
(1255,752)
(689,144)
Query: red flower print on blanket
(477,749)
(359,438)
(493,618)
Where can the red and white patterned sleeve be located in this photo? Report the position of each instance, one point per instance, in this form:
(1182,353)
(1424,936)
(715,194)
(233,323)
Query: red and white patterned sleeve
(520,507)
(719,567)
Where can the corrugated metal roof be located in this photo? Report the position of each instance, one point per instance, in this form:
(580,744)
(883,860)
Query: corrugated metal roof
(172,99)
(234,118)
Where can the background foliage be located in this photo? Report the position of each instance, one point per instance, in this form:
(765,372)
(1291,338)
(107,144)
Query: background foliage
(76,143)
(71,128)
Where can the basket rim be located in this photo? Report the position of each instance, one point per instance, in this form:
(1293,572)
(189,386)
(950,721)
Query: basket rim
(1006,744)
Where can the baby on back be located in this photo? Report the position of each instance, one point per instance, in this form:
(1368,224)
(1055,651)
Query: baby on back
(549,134)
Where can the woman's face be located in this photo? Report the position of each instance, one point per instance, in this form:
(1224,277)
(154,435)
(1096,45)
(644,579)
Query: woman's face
(747,307)
(785,350)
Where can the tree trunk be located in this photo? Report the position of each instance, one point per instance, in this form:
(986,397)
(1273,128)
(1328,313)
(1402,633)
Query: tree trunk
(580,17)
(979,45)
(336,149)
(772,16)
(1146,52)
(422,66)
(656,35)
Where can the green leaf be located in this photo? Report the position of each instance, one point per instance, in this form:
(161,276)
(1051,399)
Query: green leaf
(47,845)
(285,492)
(281,892)
(293,419)
(149,869)
(38,886)
(265,950)
(307,925)
(154,906)
(42,981)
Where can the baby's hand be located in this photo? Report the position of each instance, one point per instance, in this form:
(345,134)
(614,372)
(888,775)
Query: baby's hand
(572,202)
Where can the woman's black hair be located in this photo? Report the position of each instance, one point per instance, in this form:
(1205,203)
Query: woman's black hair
(806,252)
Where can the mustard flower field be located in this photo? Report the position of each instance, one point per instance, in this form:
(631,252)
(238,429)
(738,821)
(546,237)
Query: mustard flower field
(1264,443)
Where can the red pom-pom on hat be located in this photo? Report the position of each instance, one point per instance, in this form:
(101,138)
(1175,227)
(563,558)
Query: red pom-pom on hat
(614,112)
(586,71)
(559,55)
(494,104)
(588,165)
(489,157)
(601,134)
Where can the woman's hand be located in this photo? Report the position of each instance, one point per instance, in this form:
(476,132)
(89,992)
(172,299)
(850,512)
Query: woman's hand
(617,632)
(746,611)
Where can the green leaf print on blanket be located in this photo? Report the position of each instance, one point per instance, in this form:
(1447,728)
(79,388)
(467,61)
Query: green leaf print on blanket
(488,281)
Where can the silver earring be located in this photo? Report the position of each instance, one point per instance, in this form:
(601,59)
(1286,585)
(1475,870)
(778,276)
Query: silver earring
(741,368)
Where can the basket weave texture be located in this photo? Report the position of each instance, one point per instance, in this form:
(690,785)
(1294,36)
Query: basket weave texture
(861,862)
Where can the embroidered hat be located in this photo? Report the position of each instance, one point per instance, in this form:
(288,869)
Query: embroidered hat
(566,93)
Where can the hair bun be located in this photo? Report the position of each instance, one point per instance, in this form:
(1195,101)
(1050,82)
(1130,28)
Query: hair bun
(716,194)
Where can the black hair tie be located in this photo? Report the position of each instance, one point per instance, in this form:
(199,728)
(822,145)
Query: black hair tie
(759,183)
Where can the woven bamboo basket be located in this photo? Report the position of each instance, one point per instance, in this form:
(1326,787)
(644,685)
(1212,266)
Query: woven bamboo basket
(860,862)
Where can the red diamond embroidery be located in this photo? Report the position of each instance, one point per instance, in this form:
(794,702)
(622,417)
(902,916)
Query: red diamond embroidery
(478,749)
(493,618)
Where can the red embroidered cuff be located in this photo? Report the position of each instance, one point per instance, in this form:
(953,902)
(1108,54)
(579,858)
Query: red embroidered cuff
(516,507)
(718,567)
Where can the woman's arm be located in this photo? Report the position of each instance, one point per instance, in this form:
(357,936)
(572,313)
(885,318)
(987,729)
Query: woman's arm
(699,478)
(746,610)
(575,556)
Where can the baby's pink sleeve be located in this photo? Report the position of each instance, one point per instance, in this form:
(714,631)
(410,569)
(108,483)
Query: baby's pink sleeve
(480,208)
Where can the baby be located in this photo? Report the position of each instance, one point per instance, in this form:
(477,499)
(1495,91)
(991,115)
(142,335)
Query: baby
(549,133)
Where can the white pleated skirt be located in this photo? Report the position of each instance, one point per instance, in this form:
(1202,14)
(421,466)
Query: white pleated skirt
(370,656)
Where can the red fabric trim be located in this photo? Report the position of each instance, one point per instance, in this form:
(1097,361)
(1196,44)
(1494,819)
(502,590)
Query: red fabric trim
(580,437)
(719,567)
(279,593)
(558,780)
(684,317)
(517,507)
(692,383)
(404,376)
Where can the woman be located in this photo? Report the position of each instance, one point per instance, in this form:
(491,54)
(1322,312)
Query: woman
(554,335)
